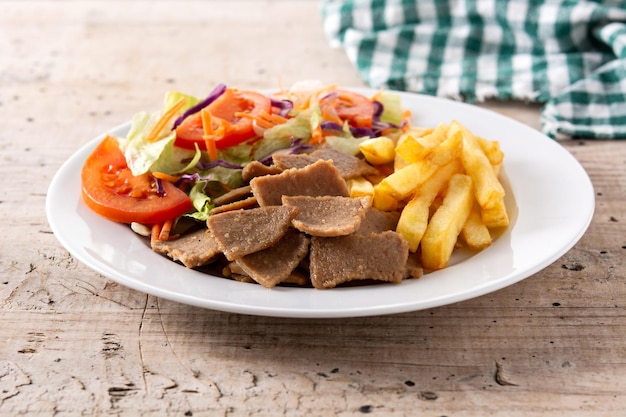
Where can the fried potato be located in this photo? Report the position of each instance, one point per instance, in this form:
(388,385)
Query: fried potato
(378,151)
(383,201)
(360,187)
(497,168)
(445,184)
(403,182)
(492,150)
(445,225)
(414,217)
(475,234)
(487,187)
(412,148)
(496,216)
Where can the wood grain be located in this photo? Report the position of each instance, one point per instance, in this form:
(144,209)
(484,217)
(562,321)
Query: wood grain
(73,342)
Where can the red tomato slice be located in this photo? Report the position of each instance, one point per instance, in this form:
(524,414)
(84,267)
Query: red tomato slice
(357,109)
(191,132)
(110,189)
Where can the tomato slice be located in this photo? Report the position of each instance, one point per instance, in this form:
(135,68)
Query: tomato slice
(357,109)
(239,129)
(110,189)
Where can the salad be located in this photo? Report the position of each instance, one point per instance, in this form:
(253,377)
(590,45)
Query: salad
(174,163)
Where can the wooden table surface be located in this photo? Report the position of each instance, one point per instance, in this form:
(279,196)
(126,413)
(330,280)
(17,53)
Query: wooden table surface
(73,342)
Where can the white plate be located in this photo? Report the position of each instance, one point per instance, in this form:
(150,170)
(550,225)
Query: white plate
(549,196)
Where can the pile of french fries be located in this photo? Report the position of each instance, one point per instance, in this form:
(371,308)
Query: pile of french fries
(445,182)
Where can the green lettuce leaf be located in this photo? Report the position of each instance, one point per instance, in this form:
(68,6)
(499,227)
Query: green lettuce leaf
(201,202)
(298,127)
(281,136)
(349,145)
(392,107)
(171,97)
(161,155)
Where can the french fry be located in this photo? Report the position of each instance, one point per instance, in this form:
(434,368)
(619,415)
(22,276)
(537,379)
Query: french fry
(378,151)
(492,150)
(400,162)
(496,169)
(495,216)
(445,185)
(405,181)
(360,187)
(487,187)
(412,148)
(414,132)
(475,234)
(446,224)
(414,217)
(383,201)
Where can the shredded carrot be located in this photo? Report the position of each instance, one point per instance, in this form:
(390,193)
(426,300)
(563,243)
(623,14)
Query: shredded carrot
(164,234)
(316,96)
(264,119)
(260,121)
(165,177)
(331,116)
(164,119)
(280,85)
(207,122)
(155,232)
(278,119)
(316,136)
(211,147)
(209,134)
(406,117)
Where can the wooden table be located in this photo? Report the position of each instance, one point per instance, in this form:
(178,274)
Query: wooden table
(72,342)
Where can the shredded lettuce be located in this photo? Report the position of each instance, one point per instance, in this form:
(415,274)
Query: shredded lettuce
(172,97)
(227,176)
(161,155)
(392,107)
(345,144)
(298,127)
(345,141)
(201,202)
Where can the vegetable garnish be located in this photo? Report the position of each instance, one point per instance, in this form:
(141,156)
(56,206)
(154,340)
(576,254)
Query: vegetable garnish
(227,166)
(210,136)
(284,106)
(165,177)
(164,234)
(162,122)
(217,91)
(224,110)
(179,159)
(111,190)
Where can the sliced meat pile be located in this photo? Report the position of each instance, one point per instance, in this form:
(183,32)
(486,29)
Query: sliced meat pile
(295,223)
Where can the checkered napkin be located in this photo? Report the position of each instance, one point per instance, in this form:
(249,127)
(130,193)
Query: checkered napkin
(569,55)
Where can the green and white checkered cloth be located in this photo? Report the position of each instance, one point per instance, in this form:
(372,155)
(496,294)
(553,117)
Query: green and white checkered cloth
(570,55)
